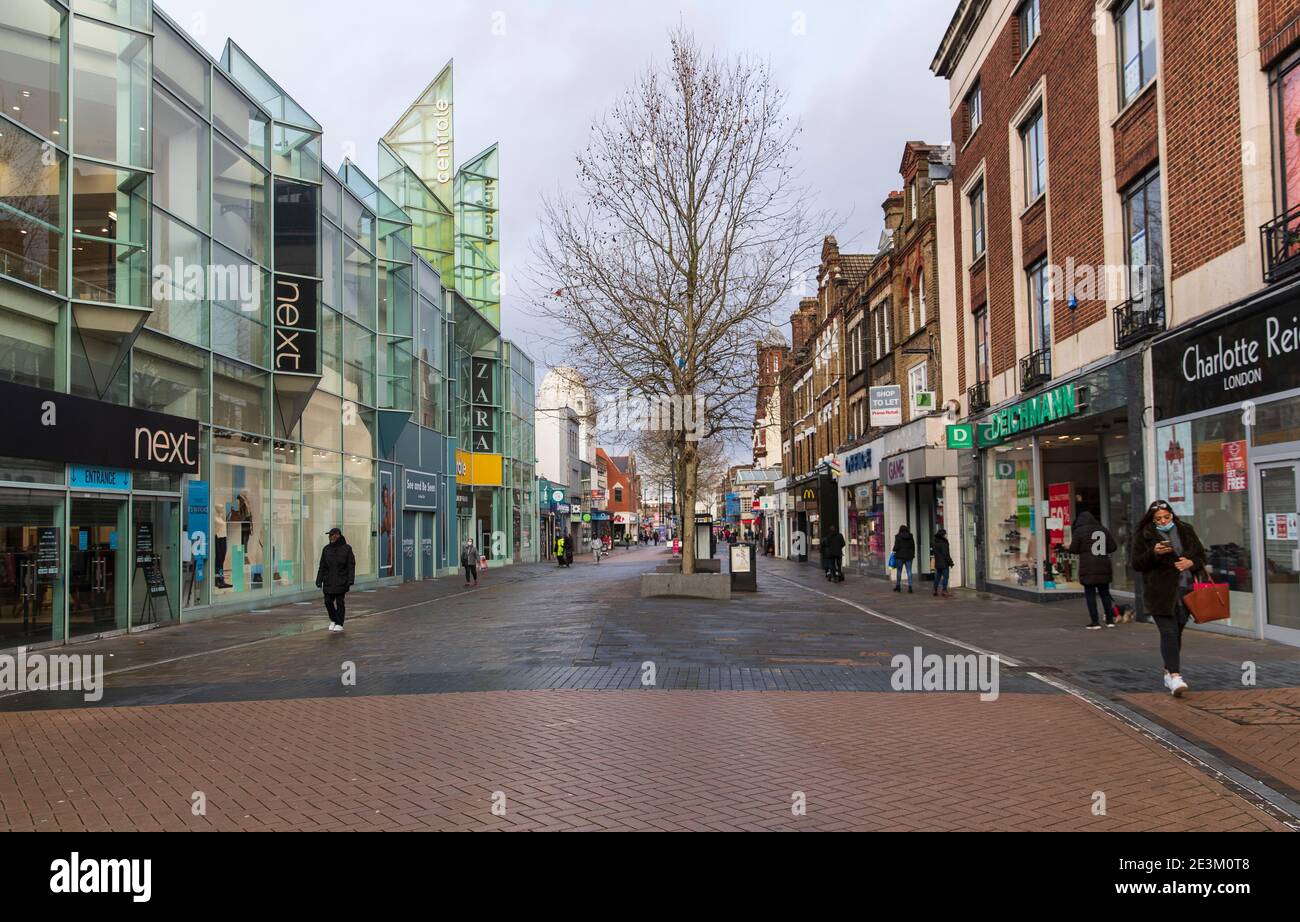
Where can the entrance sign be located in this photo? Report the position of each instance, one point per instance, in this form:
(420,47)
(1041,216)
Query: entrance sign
(84,477)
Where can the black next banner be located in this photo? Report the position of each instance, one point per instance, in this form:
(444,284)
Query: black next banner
(49,426)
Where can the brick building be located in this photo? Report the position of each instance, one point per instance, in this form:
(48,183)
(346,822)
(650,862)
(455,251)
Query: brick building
(1114,239)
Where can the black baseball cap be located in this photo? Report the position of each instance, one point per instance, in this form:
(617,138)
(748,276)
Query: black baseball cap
(333,531)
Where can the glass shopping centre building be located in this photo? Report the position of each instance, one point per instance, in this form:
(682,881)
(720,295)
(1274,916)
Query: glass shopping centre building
(214,348)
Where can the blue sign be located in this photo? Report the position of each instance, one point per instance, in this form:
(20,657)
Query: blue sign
(860,461)
(83,539)
(196,523)
(86,477)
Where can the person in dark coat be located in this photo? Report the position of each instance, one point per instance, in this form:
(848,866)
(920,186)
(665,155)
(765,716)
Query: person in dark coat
(833,548)
(469,560)
(1092,545)
(942,552)
(904,553)
(1168,554)
(335,576)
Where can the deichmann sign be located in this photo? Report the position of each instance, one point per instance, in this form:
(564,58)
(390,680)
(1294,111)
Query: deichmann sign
(1245,355)
(1048,407)
(961,436)
(50,426)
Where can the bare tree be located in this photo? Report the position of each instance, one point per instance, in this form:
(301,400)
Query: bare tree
(664,270)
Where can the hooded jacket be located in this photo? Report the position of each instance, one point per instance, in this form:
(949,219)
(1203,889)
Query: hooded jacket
(941,549)
(1159,575)
(834,545)
(1094,569)
(904,545)
(338,567)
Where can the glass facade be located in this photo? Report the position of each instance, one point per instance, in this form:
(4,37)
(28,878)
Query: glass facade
(142,185)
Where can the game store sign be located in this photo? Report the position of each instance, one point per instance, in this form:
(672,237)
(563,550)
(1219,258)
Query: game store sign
(1241,356)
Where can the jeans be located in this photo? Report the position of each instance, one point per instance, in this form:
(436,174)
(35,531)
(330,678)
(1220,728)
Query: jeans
(941,579)
(1090,594)
(836,568)
(1171,636)
(334,606)
(898,574)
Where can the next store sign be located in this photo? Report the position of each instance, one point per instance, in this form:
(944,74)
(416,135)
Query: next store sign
(1048,407)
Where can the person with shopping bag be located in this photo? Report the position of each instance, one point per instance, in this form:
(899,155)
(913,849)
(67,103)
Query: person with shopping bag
(1168,554)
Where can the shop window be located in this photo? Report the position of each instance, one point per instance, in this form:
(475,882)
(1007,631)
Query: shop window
(169,377)
(110,229)
(1196,473)
(27,347)
(1011,550)
(240,505)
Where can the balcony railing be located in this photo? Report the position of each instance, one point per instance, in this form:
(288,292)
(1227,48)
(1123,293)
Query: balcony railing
(1280,239)
(977,397)
(1136,320)
(1035,369)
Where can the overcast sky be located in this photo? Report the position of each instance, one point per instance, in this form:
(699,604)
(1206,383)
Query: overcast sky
(531,75)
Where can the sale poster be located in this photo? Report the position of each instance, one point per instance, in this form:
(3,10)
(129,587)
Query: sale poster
(1234,467)
(1059,507)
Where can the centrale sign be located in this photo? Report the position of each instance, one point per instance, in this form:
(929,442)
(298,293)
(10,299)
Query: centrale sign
(1048,407)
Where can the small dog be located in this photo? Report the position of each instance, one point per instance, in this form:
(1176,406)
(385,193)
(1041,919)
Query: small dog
(1124,614)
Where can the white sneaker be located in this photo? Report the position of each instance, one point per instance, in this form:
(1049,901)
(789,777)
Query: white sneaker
(1169,682)
(1177,686)
(334,627)
(1093,627)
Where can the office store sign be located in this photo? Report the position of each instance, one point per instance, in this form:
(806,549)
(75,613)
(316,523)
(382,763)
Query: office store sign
(1245,355)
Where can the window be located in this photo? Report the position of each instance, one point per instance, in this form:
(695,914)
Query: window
(982,345)
(913,195)
(32,64)
(917,381)
(974,109)
(1040,307)
(179,67)
(618,494)
(180,159)
(239,214)
(1136,29)
(977,221)
(32,208)
(920,286)
(1143,227)
(1027,17)
(911,309)
(110,73)
(1035,148)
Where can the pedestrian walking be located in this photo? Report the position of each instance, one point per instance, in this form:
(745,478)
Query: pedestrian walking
(1092,545)
(335,576)
(469,560)
(941,564)
(1167,552)
(904,553)
(833,545)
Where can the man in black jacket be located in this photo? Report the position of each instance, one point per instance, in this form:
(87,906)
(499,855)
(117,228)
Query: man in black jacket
(833,547)
(337,572)
(1092,545)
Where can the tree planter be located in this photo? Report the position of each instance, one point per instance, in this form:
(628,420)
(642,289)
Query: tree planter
(715,586)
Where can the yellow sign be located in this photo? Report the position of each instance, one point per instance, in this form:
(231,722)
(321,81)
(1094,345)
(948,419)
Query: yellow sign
(477,469)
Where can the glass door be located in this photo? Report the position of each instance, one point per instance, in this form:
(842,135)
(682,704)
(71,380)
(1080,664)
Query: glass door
(1279,487)
(98,572)
(155,560)
(31,568)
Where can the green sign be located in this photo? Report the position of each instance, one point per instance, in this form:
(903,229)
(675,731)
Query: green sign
(586,516)
(1005,470)
(961,436)
(1048,407)
(1024,501)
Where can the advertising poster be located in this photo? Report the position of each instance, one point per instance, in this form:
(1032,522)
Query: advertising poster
(1234,467)
(1024,502)
(197,499)
(1059,503)
(1174,468)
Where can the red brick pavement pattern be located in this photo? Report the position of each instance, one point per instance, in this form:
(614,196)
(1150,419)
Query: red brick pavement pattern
(1260,727)
(596,760)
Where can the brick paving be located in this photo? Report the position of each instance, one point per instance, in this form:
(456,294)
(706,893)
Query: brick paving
(531,685)
(595,760)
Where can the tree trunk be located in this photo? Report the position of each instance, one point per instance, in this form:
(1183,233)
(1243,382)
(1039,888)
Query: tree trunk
(690,471)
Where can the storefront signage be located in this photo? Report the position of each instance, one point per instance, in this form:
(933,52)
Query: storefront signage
(421,490)
(51,426)
(1282,526)
(560,508)
(1234,467)
(85,477)
(1004,470)
(1024,500)
(47,553)
(1172,468)
(858,461)
(961,436)
(1242,356)
(294,338)
(1048,407)
(484,470)
(886,405)
(483,411)
(895,470)
(143,543)
(196,525)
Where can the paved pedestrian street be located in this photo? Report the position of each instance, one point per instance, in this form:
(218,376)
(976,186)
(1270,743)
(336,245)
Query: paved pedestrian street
(523,705)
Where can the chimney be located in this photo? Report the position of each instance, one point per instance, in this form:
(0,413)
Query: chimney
(802,322)
(893,206)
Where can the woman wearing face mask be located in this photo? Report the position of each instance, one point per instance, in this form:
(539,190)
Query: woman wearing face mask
(1167,552)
